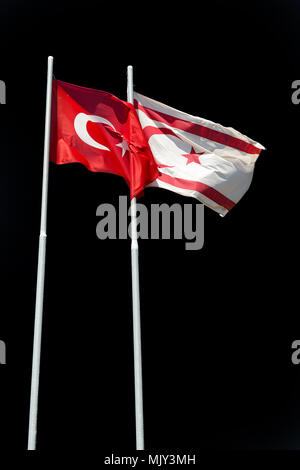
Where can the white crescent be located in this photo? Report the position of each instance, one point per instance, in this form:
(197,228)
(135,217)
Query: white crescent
(80,123)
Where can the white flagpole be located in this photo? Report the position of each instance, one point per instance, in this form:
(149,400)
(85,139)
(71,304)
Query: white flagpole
(138,383)
(40,272)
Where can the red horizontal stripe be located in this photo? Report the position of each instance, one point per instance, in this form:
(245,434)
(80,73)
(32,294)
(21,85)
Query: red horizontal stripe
(200,130)
(202,188)
(149,131)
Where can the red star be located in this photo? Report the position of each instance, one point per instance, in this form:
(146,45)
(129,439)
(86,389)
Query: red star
(193,156)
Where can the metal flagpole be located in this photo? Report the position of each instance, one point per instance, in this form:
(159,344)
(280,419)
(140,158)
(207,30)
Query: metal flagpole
(40,272)
(138,383)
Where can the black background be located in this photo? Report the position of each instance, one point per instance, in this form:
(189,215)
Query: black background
(217,324)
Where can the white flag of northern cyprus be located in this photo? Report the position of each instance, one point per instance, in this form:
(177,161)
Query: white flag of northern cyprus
(197,157)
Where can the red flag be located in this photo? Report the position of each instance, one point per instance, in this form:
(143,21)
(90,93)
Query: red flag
(103,133)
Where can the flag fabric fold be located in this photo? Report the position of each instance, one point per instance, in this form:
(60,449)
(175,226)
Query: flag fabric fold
(196,157)
(100,131)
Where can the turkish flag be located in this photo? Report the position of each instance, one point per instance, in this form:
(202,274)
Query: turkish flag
(100,131)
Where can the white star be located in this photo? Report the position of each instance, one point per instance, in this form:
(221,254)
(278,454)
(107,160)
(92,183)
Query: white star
(124,146)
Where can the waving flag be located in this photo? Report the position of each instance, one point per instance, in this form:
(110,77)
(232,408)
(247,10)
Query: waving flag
(197,157)
(100,131)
